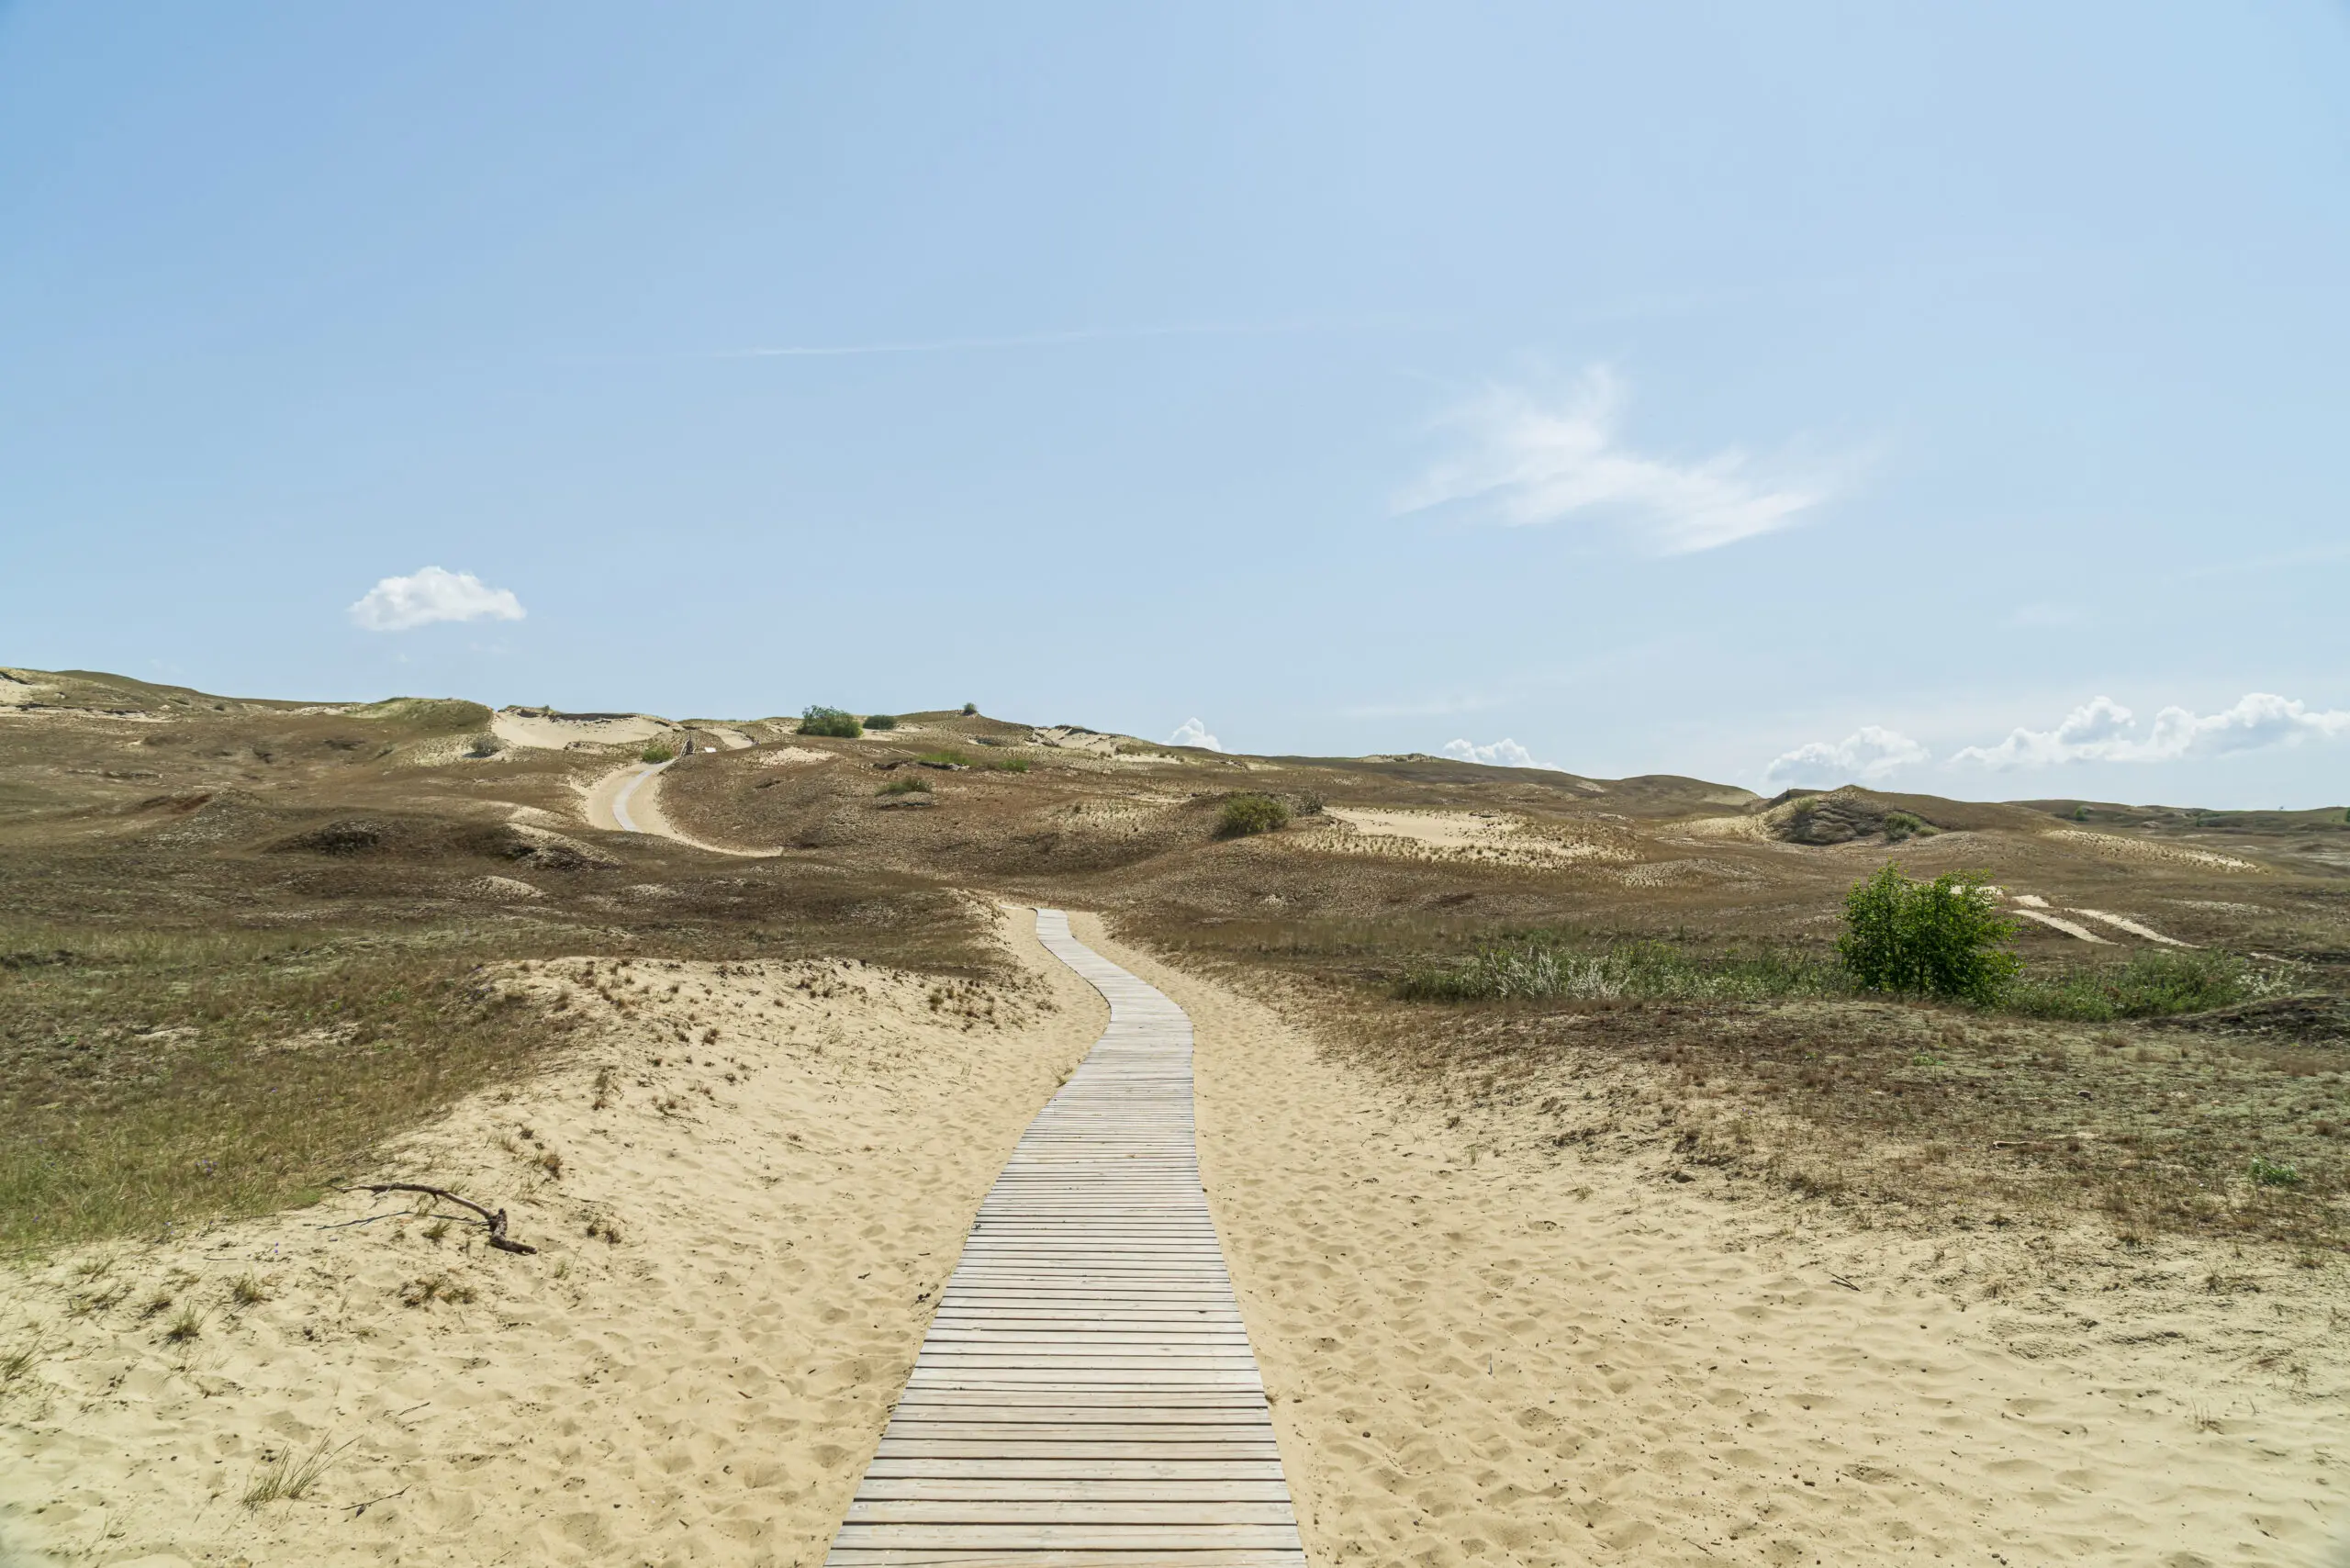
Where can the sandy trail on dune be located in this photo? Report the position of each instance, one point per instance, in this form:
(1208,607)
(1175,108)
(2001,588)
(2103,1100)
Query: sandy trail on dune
(628,800)
(789,1198)
(1539,1359)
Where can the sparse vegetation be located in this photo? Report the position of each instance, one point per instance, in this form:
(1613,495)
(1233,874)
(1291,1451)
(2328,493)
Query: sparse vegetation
(1547,965)
(185,1325)
(912,784)
(657,752)
(2150,984)
(944,759)
(247,1290)
(835,723)
(1245,815)
(289,1479)
(483,746)
(1008,763)
(881,721)
(1941,938)
(1901,825)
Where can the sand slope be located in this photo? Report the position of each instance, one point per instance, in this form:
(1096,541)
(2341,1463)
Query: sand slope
(789,1198)
(1538,1360)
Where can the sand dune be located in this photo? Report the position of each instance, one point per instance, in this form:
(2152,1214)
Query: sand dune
(1534,1358)
(788,1197)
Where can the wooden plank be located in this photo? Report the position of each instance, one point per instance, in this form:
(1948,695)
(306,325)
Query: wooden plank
(1086,1393)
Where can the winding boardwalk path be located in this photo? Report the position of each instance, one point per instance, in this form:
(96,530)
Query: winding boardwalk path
(1086,1393)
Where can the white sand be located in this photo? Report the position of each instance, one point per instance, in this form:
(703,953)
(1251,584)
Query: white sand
(2123,848)
(789,1198)
(2123,923)
(557,734)
(792,756)
(2058,922)
(1489,837)
(1533,1357)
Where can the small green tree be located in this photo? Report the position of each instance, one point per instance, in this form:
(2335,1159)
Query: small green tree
(1939,938)
(880,721)
(840,724)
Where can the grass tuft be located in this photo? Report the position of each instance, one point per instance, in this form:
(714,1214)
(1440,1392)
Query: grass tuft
(289,1479)
(914,785)
(2150,985)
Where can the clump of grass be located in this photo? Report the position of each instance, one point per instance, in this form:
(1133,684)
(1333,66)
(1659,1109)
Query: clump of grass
(657,752)
(185,1325)
(944,759)
(1246,815)
(912,785)
(247,1290)
(836,722)
(880,721)
(430,1288)
(1941,938)
(1900,826)
(19,1363)
(2267,1173)
(2150,985)
(290,1479)
(1543,968)
(1008,763)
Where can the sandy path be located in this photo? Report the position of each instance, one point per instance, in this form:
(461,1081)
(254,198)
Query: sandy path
(790,1197)
(1540,1359)
(628,800)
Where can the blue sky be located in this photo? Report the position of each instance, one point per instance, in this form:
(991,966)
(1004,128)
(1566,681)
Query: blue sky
(1771,394)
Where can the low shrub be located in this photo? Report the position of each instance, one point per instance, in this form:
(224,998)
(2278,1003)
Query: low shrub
(2150,985)
(838,724)
(483,746)
(1546,967)
(944,759)
(1009,764)
(1899,826)
(970,709)
(880,721)
(657,752)
(1245,814)
(915,785)
(1941,938)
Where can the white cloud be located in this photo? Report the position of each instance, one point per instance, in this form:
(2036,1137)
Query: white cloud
(2104,731)
(1190,731)
(1528,463)
(397,604)
(1503,753)
(1869,754)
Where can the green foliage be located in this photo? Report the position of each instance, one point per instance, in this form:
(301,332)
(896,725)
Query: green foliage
(483,746)
(1544,966)
(838,724)
(970,709)
(1899,826)
(426,715)
(880,721)
(2081,812)
(657,752)
(2150,985)
(2267,1173)
(1245,814)
(946,758)
(1009,764)
(913,785)
(1941,938)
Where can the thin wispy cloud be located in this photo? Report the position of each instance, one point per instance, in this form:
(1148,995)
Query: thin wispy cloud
(401,604)
(1050,340)
(2101,729)
(1524,461)
(1869,754)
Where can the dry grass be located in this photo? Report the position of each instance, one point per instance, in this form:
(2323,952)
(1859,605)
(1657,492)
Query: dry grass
(287,1477)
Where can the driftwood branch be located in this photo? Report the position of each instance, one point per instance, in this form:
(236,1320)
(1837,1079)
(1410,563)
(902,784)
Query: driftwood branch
(496,1222)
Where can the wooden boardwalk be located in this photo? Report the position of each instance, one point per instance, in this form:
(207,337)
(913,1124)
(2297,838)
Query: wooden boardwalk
(1086,1393)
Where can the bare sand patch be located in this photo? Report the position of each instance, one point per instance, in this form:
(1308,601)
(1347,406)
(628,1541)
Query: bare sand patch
(792,756)
(2058,922)
(1483,1346)
(2123,923)
(1488,837)
(2122,848)
(747,1189)
(554,732)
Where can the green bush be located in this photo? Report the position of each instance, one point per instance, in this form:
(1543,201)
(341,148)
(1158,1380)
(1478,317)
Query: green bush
(2150,985)
(1009,764)
(915,785)
(1941,938)
(818,720)
(1899,826)
(946,758)
(880,721)
(1245,814)
(970,709)
(483,746)
(656,752)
